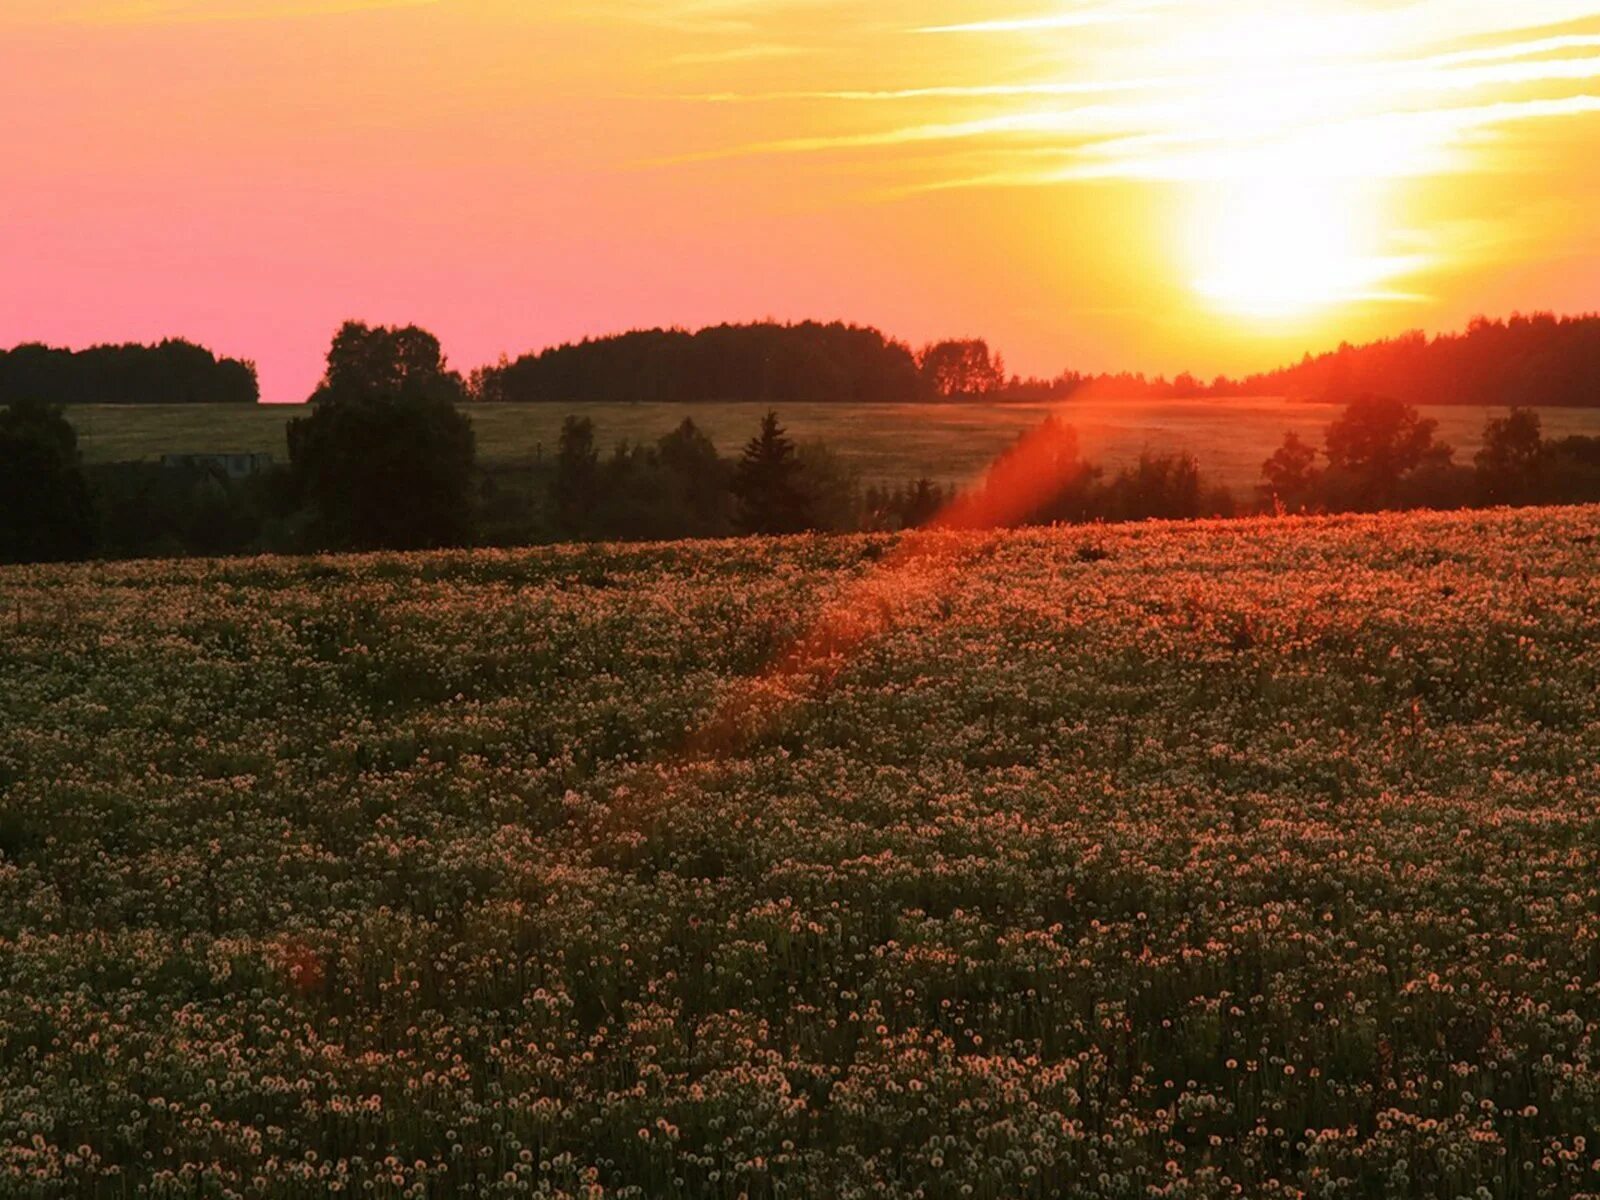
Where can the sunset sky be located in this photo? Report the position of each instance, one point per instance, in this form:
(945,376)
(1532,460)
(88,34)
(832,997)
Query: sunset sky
(1215,185)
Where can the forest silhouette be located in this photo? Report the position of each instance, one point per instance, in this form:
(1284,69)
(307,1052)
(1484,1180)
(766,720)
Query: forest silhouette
(1537,360)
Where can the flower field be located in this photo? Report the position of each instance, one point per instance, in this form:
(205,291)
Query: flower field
(1254,858)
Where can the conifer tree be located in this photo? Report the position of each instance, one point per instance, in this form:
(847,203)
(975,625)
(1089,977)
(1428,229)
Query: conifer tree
(766,483)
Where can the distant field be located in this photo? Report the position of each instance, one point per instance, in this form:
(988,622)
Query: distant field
(947,442)
(1232,858)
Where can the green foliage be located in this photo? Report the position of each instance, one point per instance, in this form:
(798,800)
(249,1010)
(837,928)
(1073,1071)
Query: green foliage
(1532,359)
(386,457)
(961,368)
(1157,487)
(698,480)
(1508,464)
(148,510)
(830,487)
(1382,455)
(766,363)
(575,490)
(45,510)
(383,362)
(173,372)
(1290,476)
(677,487)
(1374,442)
(767,483)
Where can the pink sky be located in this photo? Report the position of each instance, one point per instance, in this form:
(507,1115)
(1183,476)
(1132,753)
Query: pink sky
(1131,183)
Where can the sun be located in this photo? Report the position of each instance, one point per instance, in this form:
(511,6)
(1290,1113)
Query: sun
(1289,155)
(1289,248)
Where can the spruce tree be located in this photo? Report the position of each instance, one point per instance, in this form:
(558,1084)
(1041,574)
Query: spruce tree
(766,484)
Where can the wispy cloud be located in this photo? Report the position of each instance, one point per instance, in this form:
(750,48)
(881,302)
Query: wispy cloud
(997,91)
(1242,88)
(1080,120)
(1520,49)
(1390,145)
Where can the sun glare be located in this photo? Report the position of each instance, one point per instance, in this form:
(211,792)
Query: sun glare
(1289,249)
(1288,213)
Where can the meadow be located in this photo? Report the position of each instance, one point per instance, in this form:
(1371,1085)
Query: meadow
(885,443)
(1226,858)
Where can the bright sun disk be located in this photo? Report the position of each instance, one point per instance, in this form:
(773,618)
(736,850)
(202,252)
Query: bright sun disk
(1289,249)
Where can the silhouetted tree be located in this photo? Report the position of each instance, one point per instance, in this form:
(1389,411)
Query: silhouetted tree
(631,502)
(1513,449)
(1289,477)
(575,490)
(1527,359)
(1375,442)
(765,362)
(377,362)
(697,480)
(1534,359)
(830,488)
(385,459)
(766,484)
(45,511)
(963,367)
(1157,487)
(173,372)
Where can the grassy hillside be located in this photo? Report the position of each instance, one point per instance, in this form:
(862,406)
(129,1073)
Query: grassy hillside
(1258,856)
(884,442)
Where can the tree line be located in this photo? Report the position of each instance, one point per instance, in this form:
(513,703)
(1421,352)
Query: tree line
(171,372)
(1528,360)
(384,457)
(1535,360)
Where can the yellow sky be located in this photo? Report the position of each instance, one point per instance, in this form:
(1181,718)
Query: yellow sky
(1158,184)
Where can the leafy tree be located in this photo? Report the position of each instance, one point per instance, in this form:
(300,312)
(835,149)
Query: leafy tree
(1289,477)
(1157,487)
(1513,448)
(385,361)
(767,484)
(45,510)
(386,459)
(961,367)
(830,488)
(575,490)
(697,480)
(1376,441)
(631,503)
(674,488)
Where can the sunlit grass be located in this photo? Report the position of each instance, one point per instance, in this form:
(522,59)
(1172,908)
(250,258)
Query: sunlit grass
(884,443)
